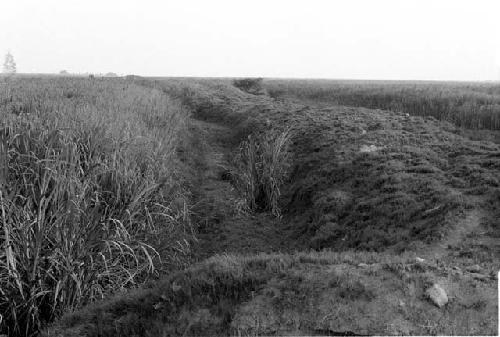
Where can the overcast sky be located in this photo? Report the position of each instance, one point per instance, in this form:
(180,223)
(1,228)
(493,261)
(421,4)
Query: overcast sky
(366,39)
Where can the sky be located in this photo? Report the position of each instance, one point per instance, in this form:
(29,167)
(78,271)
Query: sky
(357,39)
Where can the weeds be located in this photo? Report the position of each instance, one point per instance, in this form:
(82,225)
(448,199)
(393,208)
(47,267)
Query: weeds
(262,164)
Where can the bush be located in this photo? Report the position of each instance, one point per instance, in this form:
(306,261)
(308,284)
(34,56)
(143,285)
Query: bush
(250,85)
(262,165)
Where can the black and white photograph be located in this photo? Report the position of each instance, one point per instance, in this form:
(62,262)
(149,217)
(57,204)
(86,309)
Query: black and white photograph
(249,168)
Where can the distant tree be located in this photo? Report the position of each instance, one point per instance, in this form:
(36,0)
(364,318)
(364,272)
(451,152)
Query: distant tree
(111,74)
(63,72)
(9,65)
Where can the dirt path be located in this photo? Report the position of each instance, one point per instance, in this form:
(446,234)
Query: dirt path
(465,226)
(223,226)
(469,241)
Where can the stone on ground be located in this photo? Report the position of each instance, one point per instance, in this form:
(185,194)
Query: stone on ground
(437,295)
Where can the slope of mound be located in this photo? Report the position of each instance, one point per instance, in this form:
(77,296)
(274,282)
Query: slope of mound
(373,179)
(301,294)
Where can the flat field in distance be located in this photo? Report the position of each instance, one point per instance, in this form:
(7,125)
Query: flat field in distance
(266,207)
(473,105)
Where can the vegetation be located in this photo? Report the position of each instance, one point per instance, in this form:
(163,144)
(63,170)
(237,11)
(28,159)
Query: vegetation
(262,166)
(88,174)
(250,85)
(9,65)
(302,294)
(109,183)
(470,105)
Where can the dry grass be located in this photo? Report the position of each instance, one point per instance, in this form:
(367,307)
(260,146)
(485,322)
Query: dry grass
(263,163)
(89,172)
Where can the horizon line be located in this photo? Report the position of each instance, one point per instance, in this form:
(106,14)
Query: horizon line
(118,75)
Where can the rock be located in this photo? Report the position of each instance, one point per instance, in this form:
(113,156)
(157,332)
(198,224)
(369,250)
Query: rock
(437,295)
(474,269)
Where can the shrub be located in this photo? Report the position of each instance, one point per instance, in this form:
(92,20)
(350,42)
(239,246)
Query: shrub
(262,165)
(250,85)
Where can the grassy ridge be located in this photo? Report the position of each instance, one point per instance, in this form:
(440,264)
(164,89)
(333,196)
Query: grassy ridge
(471,105)
(293,295)
(89,173)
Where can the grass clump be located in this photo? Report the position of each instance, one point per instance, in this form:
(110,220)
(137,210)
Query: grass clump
(86,186)
(263,163)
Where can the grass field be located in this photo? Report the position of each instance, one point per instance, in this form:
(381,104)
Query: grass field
(471,105)
(220,207)
(89,174)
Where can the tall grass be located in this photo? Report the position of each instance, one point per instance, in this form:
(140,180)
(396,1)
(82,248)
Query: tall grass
(262,165)
(88,172)
(469,105)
